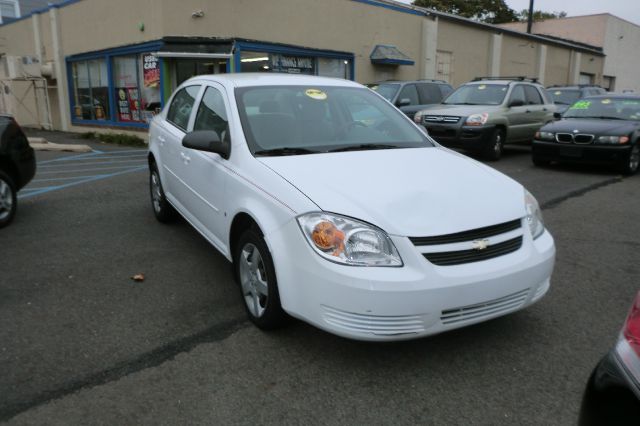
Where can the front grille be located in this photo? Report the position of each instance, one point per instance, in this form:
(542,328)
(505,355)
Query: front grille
(564,137)
(583,139)
(481,310)
(458,257)
(373,324)
(474,234)
(441,119)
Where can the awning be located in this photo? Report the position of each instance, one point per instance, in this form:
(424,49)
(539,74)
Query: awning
(195,47)
(389,55)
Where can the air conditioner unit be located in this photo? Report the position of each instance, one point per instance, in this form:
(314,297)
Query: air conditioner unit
(16,67)
(31,66)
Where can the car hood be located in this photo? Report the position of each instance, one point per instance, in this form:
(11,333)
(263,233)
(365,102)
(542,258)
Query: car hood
(459,110)
(594,126)
(407,192)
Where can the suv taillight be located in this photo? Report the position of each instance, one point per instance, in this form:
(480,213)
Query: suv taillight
(631,330)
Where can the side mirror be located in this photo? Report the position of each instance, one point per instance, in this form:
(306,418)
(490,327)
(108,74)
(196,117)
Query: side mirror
(403,102)
(557,115)
(516,103)
(206,140)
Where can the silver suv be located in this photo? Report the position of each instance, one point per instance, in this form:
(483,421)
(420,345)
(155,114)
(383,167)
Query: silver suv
(484,114)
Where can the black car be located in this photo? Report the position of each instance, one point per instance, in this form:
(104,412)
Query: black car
(565,96)
(412,96)
(17,166)
(612,396)
(595,130)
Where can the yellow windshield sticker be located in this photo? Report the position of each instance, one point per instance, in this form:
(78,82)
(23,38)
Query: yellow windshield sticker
(557,92)
(316,94)
(482,87)
(606,101)
(581,105)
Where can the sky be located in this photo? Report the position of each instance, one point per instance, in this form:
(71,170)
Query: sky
(625,9)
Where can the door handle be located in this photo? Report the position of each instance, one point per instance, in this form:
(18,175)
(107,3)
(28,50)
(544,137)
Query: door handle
(161,140)
(185,158)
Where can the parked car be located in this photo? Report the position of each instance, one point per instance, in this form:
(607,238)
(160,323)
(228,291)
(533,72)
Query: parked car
(612,396)
(17,166)
(595,130)
(483,115)
(412,96)
(351,224)
(565,96)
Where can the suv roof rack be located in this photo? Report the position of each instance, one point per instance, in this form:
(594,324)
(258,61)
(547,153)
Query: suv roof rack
(575,85)
(515,78)
(433,80)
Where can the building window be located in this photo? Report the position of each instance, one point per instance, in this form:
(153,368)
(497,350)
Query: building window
(338,68)
(608,83)
(137,87)
(90,90)
(255,62)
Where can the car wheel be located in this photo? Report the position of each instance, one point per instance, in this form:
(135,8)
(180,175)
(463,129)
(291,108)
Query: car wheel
(8,200)
(493,150)
(162,209)
(539,162)
(632,162)
(255,274)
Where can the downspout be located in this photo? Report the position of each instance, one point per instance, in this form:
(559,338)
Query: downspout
(60,66)
(37,40)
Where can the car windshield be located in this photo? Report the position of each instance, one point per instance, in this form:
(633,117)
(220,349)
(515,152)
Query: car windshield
(478,94)
(386,90)
(605,108)
(564,97)
(292,120)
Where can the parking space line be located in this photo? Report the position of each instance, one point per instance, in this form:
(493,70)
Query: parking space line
(138,160)
(87,170)
(93,154)
(37,191)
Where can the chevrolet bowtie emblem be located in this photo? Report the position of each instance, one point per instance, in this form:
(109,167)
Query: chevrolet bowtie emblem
(480,244)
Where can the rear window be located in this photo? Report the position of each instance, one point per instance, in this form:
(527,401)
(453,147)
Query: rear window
(478,94)
(386,90)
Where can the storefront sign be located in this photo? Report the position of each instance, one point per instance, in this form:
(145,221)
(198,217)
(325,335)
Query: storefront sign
(150,70)
(293,64)
(128,104)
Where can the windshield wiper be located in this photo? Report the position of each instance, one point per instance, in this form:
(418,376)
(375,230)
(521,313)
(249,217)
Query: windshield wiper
(601,117)
(284,151)
(364,147)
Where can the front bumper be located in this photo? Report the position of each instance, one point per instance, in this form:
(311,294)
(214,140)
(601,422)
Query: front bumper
(415,300)
(574,153)
(469,138)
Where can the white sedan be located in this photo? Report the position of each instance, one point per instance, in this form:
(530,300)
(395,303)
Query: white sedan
(337,209)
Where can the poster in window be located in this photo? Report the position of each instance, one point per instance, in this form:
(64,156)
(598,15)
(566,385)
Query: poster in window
(128,104)
(150,70)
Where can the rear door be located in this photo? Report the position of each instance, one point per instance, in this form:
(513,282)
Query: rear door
(518,116)
(538,113)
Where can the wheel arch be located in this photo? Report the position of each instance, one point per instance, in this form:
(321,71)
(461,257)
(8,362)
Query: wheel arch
(10,168)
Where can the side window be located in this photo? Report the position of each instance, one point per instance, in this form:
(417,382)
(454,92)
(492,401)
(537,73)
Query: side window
(517,94)
(532,95)
(409,92)
(445,89)
(181,106)
(429,93)
(212,114)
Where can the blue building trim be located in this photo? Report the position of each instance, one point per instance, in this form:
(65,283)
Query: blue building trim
(392,62)
(392,7)
(290,50)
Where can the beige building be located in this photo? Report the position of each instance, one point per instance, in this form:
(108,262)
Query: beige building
(95,64)
(617,38)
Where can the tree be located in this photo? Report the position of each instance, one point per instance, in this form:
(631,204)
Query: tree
(489,11)
(539,15)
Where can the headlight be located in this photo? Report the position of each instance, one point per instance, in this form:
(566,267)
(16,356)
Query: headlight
(348,241)
(613,139)
(418,117)
(534,215)
(545,136)
(477,119)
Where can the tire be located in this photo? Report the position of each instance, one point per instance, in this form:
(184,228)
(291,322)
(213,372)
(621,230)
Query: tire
(632,162)
(493,150)
(539,162)
(8,199)
(162,209)
(255,274)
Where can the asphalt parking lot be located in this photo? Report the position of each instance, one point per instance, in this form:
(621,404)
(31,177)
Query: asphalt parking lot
(82,343)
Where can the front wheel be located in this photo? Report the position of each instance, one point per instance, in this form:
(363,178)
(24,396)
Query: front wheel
(255,274)
(630,165)
(493,150)
(8,199)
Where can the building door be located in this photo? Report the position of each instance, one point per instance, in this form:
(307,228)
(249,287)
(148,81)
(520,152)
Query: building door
(586,79)
(444,65)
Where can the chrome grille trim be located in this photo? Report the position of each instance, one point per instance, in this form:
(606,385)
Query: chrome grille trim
(583,139)
(374,324)
(441,119)
(564,137)
(470,235)
(481,310)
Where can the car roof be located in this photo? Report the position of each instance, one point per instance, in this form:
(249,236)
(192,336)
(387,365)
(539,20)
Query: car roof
(491,81)
(632,96)
(273,79)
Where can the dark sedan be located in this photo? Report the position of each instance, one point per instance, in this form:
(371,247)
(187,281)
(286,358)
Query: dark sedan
(17,166)
(594,130)
(612,396)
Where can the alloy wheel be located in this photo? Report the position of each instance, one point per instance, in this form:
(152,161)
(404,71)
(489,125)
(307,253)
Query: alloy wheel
(253,279)
(6,199)
(634,158)
(156,191)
